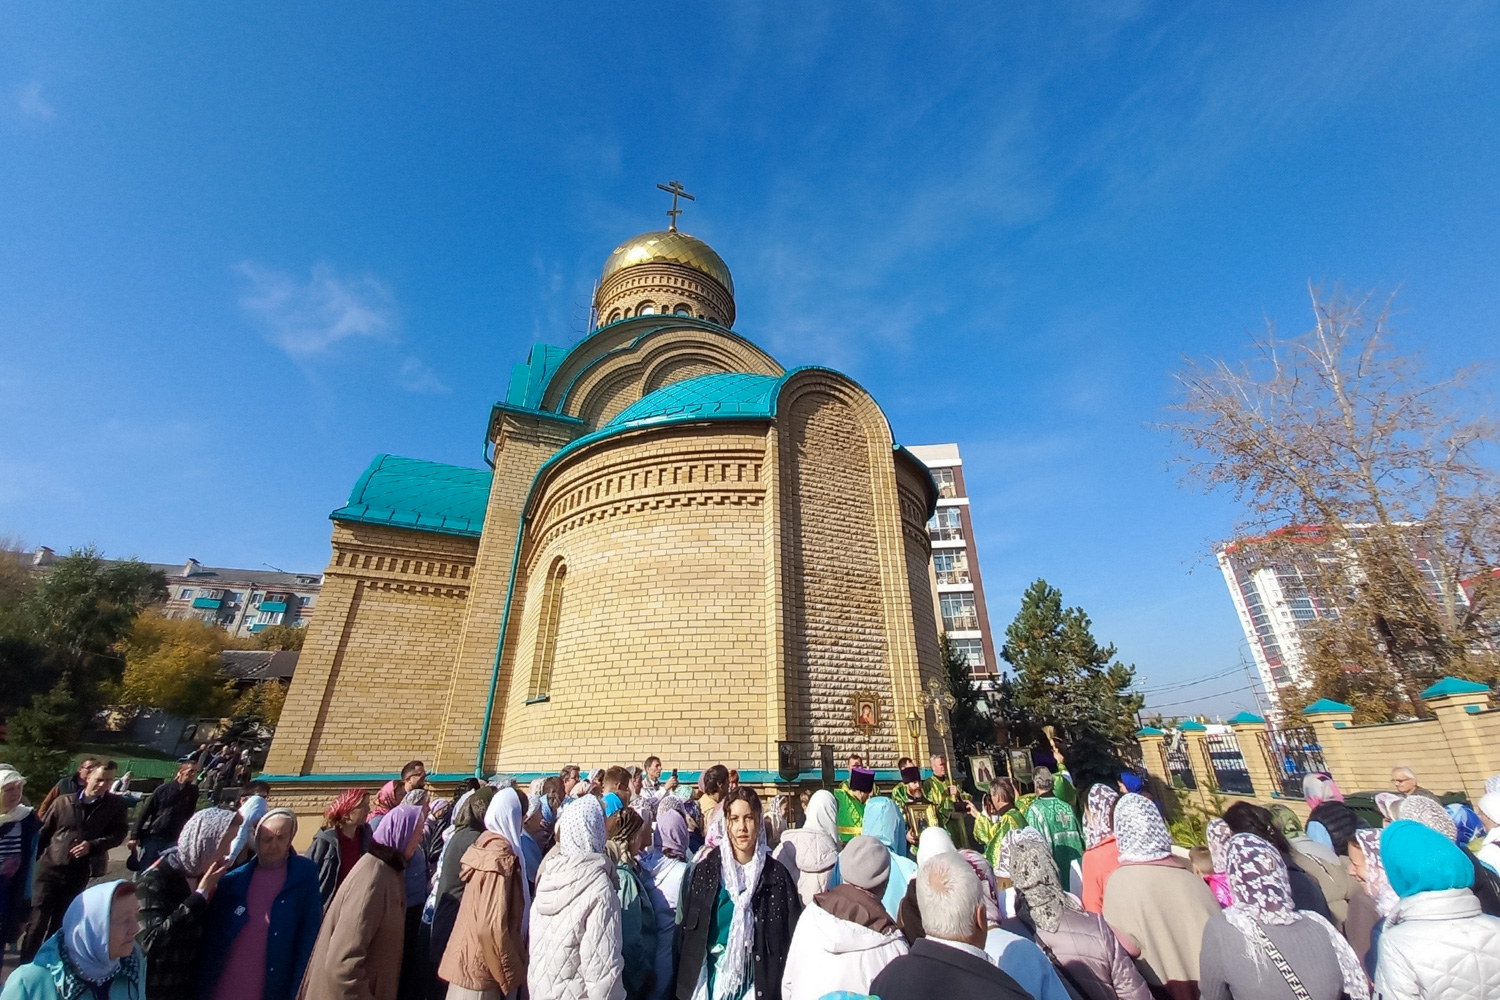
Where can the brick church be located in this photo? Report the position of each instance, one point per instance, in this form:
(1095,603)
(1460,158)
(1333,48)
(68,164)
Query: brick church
(678,547)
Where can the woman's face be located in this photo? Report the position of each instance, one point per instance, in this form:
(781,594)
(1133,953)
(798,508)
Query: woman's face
(359,813)
(10,795)
(742,826)
(124,925)
(416,835)
(1357,861)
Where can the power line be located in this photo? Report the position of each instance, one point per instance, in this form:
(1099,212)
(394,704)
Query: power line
(1179,685)
(1201,697)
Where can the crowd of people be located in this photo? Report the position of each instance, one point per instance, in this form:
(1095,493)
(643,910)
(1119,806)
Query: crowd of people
(625,884)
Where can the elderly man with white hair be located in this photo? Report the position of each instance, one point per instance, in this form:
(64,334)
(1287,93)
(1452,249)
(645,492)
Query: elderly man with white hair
(950,961)
(1404,780)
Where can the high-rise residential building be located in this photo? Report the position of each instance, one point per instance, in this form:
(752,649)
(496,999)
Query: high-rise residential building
(955,562)
(240,601)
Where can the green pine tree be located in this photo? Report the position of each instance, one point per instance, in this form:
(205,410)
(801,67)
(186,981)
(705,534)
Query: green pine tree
(972,731)
(1065,679)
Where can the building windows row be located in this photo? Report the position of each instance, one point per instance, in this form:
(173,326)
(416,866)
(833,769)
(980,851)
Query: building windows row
(946,483)
(972,650)
(959,613)
(951,566)
(946,525)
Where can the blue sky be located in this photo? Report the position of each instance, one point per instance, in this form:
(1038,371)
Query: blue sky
(245,249)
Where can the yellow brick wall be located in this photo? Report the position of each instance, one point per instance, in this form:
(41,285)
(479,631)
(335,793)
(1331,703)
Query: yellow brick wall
(661,630)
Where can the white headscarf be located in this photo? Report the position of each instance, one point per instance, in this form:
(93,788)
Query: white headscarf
(503,817)
(823,813)
(1140,831)
(10,776)
(1262,893)
(934,841)
(85,934)
(580,828)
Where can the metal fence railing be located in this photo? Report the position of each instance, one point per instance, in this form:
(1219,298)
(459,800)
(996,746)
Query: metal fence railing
(1290,755)
(1175,759)
(1228,763)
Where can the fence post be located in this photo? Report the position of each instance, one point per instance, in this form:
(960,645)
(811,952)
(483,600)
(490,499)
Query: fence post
(1247,728)
(1195,737)
(1152,741)
(1327,717)
(1455,702)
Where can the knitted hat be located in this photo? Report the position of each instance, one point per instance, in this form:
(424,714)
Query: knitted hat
(1419,859)
(861,779)
(865,862)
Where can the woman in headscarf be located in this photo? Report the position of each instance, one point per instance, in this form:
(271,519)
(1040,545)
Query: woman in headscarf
(1101,855)
(94,955)
(485,955)
(19,829)
(343,840)
(174,894)
(1431,814)
(1081,944)
(1218,834)
(811,851)
(386,799)
(1389,806)
(1157,902)
(1370,908)
(575,918)
(626,834)
(1439,944)
(252,811)
(1489,815)
(1262,945)
(1247,817)
(883,822)
(468,825)
(1000,816)
(739,912)
(665,867)
(777,820)
(1319,787)
(360,945)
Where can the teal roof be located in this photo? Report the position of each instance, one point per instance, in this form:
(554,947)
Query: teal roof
(529,381)
(1454,685)
(723,395)
(1149,731)
(1192,726)
(1247,717)
(1326,706)
(425,496)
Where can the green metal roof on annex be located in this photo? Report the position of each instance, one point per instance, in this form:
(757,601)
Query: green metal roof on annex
(410,493)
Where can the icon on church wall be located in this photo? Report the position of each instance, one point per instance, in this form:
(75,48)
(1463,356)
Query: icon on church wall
(983,771)
(866,711)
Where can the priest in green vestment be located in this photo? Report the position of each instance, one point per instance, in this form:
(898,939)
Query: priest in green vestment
(1055,820)
(851,797)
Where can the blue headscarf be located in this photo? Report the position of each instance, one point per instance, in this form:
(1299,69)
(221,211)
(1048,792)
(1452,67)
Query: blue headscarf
(883,821)
(1466,820)
(1419,859)
(1132,781)
(85,932)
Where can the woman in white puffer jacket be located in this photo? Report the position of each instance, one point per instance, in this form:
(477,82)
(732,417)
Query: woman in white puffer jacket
(576,948)
(1438,944)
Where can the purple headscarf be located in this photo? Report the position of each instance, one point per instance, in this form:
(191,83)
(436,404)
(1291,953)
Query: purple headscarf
(672,833)
(396,829)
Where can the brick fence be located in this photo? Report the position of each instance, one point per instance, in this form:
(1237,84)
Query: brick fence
(1453,750)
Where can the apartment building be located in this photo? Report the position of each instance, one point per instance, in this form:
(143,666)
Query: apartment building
(240,601)
(955,562)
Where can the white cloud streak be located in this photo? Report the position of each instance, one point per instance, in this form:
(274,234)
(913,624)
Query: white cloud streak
(31,103)
(308,319)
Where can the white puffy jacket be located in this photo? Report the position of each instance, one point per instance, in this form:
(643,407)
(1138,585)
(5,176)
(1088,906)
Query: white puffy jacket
(1442,948)
(829,954)
(576,948)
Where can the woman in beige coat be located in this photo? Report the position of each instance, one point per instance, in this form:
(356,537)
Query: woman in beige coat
(486,954)
(359,948)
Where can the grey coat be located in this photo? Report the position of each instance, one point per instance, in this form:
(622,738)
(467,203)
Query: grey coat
(1227,971)
(1092,958)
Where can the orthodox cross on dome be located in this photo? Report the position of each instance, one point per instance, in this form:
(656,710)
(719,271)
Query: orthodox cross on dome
(676,190)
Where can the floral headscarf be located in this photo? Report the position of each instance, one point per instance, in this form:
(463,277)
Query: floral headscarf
(386,799)
(1431,814)
(199,840)
(1035,875)
(580,830)
(342,806)
(988,888)
(1492,784)
(1376,883)
(1218,839)
(1098,825)
(1262,893)
(1140,830)
(1389,804)
(1008,844)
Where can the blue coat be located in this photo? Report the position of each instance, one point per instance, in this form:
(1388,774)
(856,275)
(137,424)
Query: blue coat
(296,916)
(48,977)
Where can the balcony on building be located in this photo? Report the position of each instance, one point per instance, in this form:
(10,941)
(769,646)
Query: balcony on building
(273,607)
(207,602)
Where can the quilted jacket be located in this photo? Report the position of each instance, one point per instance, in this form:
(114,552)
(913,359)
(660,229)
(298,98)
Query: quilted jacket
(1440,947)
(576,943)
(829,954)
(1089,954)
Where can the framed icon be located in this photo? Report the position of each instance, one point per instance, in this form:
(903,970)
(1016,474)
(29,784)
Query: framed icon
(787,764)
(1020,764)
(866,710)
(982,770)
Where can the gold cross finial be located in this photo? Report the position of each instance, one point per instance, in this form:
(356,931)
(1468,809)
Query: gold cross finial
(676,190)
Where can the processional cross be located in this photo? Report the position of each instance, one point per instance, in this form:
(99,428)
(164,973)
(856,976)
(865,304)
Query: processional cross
(941,701)
(676,190)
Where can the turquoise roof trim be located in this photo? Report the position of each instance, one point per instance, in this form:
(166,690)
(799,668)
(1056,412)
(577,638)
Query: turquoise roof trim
(721,395)
(423,496)
(1149,731)
(1326,706)
(1247,717)
(1193,726)
(529,381)
(1454,685)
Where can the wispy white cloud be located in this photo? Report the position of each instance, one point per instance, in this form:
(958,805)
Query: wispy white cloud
(417,377)
(309,318)
(31,103)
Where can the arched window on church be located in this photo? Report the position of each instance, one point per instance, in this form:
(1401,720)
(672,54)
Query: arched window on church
(683,309)
(546,632)
(614,317)
(646,309)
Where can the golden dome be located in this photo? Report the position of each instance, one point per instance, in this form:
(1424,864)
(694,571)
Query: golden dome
(669,245)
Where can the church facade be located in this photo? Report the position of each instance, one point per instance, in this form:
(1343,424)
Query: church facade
(678,547)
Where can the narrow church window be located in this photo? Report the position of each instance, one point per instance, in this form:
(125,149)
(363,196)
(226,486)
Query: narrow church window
(546,632)
(646,309)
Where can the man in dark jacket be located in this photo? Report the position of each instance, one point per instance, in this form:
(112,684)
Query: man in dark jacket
(950,961)
(69,785)
(74,844)
(263,920)
(165,813)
